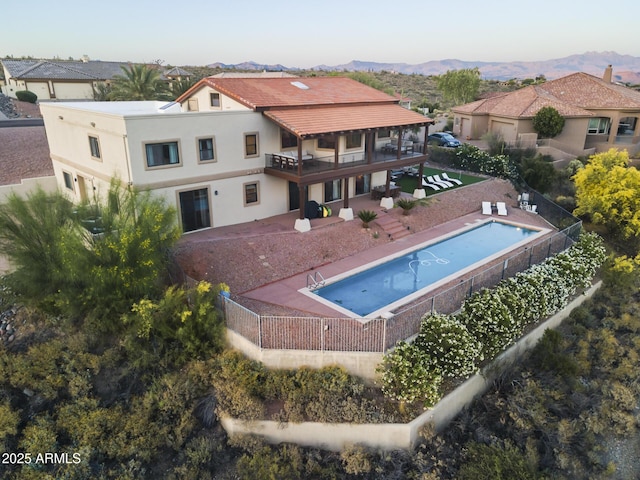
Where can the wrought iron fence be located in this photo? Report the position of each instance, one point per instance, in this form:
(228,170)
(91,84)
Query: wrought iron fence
(380,334)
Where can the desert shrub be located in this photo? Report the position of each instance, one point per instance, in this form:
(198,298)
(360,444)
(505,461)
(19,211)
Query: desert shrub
(59,367)
(9,421)
(40,435)
(26,96)
(61,267)
(237,385)
(183,325)
(356,460)
(268,463)
(550,354)
(486,462)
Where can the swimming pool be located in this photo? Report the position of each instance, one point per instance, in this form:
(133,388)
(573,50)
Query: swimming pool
(387,284)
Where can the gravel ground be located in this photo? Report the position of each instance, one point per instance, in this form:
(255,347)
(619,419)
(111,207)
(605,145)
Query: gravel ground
(24,151)
(231,256)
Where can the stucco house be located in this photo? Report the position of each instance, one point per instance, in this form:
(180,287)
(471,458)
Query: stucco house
(57,80)
(67,79)
(598,113)
(232,150)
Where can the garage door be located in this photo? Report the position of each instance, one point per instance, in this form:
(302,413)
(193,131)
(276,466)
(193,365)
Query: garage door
(507,130)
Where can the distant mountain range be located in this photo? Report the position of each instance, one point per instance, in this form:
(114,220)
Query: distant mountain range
(626,68)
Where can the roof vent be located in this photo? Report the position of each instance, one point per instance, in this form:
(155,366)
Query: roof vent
(300,85)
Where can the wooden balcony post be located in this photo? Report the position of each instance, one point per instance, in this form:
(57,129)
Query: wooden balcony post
(303,200)
(299,157)
(346,193)
(399,145)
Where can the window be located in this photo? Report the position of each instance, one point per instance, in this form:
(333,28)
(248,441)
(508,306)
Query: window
(159,154)
(215,100)
(354,140)
(194,209)
(363,184)
(192,105)
(384,133)
(599,126)
(287,140)
(332,190)
(206,150)
(251,193)
(68,180)
(327,142)
(251,145)
(94,145)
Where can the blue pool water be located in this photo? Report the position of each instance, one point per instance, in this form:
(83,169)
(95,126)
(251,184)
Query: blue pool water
(384,284)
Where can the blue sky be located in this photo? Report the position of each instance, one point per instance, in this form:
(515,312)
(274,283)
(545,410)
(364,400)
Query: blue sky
(305,33)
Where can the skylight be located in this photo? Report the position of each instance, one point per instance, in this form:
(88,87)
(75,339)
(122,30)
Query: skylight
(300,85)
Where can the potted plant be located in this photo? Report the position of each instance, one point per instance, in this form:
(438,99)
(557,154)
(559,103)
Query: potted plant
(367,216)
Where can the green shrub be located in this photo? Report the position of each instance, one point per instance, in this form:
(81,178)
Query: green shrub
(9,420)
(485,462)
(26,96)
(454,352)
(406,204)
(183,325)
(367,216)
(408,376)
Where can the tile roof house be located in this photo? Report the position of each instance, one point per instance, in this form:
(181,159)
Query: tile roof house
(232,150)
(65,79)
(598,114)
(57,80)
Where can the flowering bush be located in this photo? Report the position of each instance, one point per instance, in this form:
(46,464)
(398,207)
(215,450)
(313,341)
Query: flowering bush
(182,325)
(449,345)
(488,322)
(496,317)
(471,158)
(408,376)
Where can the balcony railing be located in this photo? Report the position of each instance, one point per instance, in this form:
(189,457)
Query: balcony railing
(314,164)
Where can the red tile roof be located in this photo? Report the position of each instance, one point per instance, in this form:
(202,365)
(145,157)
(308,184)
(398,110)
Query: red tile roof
(321,120)
(575,95)
(264,93)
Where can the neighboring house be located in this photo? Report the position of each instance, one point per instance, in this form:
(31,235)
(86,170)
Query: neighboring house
(598,114)
(227,150)
(66,79)
(58,79)
(177,73)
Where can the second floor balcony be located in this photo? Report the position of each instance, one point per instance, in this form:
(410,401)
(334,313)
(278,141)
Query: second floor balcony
(312,168)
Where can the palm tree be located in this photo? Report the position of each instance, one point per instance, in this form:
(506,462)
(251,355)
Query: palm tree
(139,82)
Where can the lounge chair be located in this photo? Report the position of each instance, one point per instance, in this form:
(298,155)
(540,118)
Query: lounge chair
(449,179)
(486,208)
(430,185)
(440,183)
(438,179)
(502,208)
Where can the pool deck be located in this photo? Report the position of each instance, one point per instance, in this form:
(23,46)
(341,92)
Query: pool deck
(287,292)
(266,262)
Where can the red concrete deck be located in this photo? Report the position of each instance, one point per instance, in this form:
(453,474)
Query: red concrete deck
(266,262)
